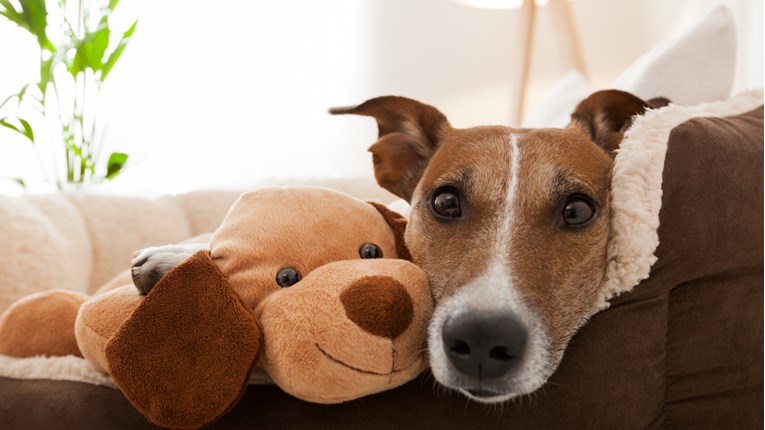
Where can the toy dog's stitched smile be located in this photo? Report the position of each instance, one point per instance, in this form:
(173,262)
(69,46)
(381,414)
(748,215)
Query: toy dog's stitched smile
(342,363)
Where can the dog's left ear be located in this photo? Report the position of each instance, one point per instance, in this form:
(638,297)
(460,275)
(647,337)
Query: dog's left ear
(397,223)
(606,115)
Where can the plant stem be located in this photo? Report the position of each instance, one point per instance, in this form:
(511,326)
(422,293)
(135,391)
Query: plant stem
(85,150)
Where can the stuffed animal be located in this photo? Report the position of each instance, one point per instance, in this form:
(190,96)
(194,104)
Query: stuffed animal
(341,328)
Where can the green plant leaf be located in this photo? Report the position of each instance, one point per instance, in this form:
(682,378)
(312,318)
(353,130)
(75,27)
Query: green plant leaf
(28,132)
(76,150)
(20,181)
(90,50)
(23,128)
(113,4)
(115,55)
(20,95)
(46,73)
(23,91)
(35,14)
(115,164)
(12,14)
(4,122)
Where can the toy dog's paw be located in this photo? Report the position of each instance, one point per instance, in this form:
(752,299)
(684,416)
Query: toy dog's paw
(149,265)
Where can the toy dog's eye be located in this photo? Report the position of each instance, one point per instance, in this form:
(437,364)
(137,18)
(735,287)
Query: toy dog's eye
(446,204)
(287,277)
(577,211)
(370,250)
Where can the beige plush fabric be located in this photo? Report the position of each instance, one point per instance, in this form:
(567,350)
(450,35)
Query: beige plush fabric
(79,241)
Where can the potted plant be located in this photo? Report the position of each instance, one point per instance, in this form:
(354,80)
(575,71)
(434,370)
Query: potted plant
(78,50)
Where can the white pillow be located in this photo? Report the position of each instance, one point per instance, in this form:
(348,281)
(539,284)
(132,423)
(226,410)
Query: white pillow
(695,67)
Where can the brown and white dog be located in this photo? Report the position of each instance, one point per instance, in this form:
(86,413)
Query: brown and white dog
(511,226)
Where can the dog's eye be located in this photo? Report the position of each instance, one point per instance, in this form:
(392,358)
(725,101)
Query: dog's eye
(287,277)
(370,250)
(446,203)
(577,211)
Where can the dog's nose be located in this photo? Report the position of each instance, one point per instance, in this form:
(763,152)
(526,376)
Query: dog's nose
(484,346)
(379,305)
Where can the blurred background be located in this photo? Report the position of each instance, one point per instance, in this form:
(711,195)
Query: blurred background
(234,94)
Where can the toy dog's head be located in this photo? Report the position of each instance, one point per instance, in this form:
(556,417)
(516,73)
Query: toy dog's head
(293,281)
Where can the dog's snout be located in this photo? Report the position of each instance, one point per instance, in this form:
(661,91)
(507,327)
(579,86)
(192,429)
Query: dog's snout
(379,305)
(484,346)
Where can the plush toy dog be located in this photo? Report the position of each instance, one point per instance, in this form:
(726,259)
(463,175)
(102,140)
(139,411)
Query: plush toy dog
(183,354)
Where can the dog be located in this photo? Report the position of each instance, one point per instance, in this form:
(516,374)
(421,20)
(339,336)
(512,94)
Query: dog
(511,225)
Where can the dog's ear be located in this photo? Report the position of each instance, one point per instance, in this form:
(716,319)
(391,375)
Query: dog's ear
(184,356)
(409,134)
(397,223)
(606,115)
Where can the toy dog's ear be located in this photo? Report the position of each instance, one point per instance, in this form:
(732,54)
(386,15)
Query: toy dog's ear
(397,223)
(184,356)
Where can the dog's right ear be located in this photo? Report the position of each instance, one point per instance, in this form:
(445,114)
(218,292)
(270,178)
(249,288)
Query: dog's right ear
(409,134)
(606,115)
(184,356)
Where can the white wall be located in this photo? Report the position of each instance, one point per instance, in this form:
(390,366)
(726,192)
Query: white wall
(227,94)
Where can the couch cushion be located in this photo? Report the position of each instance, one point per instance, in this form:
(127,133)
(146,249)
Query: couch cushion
(117,226)
(44,244)
(711,252)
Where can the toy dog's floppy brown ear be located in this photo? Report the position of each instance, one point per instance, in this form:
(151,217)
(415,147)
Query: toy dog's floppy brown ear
(397,223)
(410,132)
(184,356)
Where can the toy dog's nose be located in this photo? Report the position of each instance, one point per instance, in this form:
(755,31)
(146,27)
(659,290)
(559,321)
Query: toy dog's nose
(379,305)
(484,346)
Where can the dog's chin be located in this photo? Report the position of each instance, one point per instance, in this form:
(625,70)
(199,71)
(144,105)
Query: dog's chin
(486,396)
(494,392)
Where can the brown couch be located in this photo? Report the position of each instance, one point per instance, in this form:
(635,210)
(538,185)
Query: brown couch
(683,349)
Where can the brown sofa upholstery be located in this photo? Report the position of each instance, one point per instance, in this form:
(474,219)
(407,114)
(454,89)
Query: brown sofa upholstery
(683,349)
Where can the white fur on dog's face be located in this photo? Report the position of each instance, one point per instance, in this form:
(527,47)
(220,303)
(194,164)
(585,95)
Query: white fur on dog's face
(506,255)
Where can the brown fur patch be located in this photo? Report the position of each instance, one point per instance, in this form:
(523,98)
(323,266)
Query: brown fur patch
(379,305)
